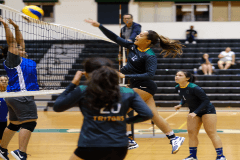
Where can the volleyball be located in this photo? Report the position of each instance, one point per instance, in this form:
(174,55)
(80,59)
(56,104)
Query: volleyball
(33,11)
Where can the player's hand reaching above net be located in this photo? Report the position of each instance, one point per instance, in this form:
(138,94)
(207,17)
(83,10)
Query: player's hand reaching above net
(2,20)
(10,21)
(92,22)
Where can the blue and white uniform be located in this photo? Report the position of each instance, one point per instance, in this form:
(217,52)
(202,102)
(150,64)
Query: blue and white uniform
(22,74)
(22,77)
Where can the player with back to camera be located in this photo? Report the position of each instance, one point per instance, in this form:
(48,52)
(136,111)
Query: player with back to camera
(22,76)
(3,105)
(201,112)
(104,106)
(141,68)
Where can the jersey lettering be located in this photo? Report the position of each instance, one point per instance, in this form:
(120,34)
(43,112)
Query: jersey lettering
(103,111)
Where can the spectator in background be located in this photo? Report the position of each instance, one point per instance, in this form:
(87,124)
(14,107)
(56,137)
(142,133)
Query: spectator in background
(206,65)
(191,34)
(226,57)
(131,29)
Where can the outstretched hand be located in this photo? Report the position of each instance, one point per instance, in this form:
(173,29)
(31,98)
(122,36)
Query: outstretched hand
(10,21)
(2,20)
(92,22)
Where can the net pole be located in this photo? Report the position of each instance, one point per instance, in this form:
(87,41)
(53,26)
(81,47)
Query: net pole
(119,55)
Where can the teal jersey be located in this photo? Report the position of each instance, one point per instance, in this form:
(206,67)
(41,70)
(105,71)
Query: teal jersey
(104,128)
(195,97)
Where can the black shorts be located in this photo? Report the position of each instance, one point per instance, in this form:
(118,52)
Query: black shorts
(206,111)
(21,108)
(101,153)
(145,85)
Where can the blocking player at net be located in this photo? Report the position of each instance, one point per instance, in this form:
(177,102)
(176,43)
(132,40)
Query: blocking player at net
(140,69)
(22,76)
(201,112)
(104,106)
(3,106)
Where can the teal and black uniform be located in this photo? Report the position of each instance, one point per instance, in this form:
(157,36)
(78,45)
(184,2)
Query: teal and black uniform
(141,65)
(196,98)
(103,128)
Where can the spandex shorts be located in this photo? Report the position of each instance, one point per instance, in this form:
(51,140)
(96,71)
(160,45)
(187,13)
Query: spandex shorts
(145,85)
(101,153)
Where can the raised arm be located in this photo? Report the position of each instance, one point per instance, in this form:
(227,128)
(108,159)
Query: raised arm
(112,36)
(18,34)
(12,43)
(70,96)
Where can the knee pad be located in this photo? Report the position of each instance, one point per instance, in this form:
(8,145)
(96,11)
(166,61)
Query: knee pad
(29,126)
(13,127)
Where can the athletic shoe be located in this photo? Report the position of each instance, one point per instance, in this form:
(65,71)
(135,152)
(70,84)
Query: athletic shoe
(18,155)
(176,144)
(4,153)
(186,42)
(190,158)
(221,158)
(194,42)
(131,143)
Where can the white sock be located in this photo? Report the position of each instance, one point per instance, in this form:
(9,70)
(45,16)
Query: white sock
(128,132)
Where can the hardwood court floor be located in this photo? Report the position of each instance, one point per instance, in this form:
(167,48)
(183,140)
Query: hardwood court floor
(46,144)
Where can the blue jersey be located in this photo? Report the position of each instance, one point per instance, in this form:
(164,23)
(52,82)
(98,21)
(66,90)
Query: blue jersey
(3,110)
(104,128)
(22,77)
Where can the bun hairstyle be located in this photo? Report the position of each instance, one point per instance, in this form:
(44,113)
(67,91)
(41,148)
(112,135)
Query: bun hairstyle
(4,52)
(189,75)
(169,47)
(102,85)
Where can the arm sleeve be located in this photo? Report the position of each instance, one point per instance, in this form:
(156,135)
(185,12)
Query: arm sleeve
(182,102)
(151,66)
(144,112)
(12,60)
(112,36)
(203,97)
(68,98)
(136,31)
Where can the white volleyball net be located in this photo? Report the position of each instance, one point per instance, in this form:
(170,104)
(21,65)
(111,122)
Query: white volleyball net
(58,50)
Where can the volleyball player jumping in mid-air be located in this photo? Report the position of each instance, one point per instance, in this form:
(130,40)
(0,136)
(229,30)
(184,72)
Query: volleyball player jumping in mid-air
(140,69)
(104,106)
(22,76)
(3,106)
(201,112)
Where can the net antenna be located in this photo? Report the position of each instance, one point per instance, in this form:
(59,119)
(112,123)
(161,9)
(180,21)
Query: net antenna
(58,50)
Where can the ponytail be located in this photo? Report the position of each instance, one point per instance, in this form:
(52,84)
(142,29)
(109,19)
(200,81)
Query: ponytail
(169,47)
(102,85)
